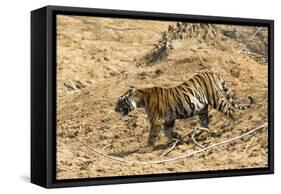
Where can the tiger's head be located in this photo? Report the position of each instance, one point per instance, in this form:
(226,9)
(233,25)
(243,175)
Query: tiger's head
(126,103)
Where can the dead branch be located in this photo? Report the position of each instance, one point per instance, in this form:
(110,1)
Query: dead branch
(194,140)
(263,153)
(188,154)
(171,148)
(116,28)
(106,146)
(257,31)
(95,150)
(250,53)
(248,145)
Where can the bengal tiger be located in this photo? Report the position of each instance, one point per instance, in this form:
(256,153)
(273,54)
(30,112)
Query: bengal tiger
(193,97)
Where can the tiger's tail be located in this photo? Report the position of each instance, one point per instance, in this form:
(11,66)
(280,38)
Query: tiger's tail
(229,96)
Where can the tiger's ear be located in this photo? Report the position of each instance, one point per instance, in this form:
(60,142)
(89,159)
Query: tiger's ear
(132,90)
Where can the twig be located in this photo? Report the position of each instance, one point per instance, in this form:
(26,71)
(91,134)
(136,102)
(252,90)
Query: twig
(73,85)
(202,130)
(95,150)
(106,146)
(251,53)
(171,148)
(193,139)
(246,148)
(115,28)
(170,159)
(257,31)
(263,152)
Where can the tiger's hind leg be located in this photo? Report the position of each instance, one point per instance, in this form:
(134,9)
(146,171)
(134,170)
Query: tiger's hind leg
(203,116)
(204,122)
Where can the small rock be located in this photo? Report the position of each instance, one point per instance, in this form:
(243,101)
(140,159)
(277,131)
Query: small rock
(235,82)
(113,73)
(158,71)
(170,169)
(102,137)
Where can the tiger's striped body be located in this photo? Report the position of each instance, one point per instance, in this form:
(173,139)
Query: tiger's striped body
(193,97)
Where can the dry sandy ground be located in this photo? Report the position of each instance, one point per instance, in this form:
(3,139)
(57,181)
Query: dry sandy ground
(95,65)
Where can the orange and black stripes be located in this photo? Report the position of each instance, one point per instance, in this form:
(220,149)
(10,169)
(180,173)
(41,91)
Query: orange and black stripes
(185,100)
(188,99)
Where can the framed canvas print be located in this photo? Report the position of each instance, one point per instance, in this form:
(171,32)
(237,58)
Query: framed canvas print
(125,96)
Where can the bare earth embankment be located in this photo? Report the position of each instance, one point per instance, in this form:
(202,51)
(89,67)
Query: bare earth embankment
(96,64)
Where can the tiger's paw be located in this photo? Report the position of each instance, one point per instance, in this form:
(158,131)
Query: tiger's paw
(145,150)
(176,136)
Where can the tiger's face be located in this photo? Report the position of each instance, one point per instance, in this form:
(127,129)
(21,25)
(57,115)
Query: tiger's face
(125,103)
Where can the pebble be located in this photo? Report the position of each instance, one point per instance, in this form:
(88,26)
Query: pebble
(235,82)
(106,58)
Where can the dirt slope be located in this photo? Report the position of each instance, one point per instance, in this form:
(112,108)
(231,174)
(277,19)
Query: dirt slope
(96,64)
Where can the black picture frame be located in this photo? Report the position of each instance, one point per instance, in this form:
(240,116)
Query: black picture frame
(43,96)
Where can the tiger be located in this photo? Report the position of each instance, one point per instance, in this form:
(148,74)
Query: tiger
(192,97)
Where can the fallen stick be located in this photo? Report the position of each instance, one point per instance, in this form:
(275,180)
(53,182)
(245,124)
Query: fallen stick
(115,28)
(171,148)
(263,152)
(251,53)
(246,148)
(198,144)
(95,150)
(170,159)
(257,31)
(106,146)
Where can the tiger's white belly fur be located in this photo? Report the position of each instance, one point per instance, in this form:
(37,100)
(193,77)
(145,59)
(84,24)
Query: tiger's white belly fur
(186,111)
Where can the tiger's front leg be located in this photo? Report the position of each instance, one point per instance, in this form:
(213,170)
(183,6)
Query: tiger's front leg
(168,130)
(153,134)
